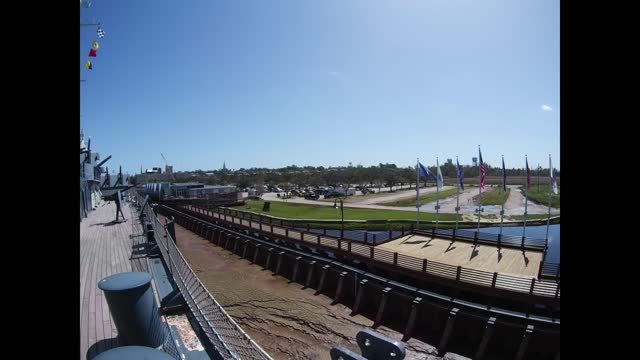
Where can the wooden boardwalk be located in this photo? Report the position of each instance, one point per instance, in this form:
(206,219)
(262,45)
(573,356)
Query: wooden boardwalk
(105,249)
(482,257)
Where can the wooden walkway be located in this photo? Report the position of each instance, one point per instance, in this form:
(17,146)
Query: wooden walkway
(105,249)
(481,257)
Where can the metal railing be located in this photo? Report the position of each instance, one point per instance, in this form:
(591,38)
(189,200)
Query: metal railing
(224,333)
(493,280)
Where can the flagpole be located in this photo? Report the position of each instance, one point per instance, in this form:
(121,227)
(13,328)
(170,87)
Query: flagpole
(479,187)
(418,194)
(504,191)
(438,173)
(546,238)
(457,193)
(526,196)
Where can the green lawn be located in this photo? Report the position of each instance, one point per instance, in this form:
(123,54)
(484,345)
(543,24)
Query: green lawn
(531,217)
(426,198)
(304,211)
(542,197)
(494,196)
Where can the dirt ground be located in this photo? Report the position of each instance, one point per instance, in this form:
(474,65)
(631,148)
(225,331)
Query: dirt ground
(285,320)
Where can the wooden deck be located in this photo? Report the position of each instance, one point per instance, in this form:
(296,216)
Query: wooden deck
(105,249)
(483,257)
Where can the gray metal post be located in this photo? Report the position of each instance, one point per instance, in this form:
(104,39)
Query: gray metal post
(295,269)
(488,331)
(415,305)
(132,306)
(133,353)
(356,304)
(448,329)
(340,286)
(310,274)
(525,342)
(383,304)
(323,277)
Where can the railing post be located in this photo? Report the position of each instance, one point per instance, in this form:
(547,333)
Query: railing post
(371,252)
(244,250)
(348,245)
(533,283)
(341,278)
(323,277)
(383,304)
(525,342)
(395,258)
(448,330)
(408,331)
(424,265)
(557,290)
(495,278)
(255,253)
(324,231)
(389,235)
(499,240)
(402,230)
(318,239)
(271,228)
(458,273)
(312,264)
(295,269)
(540,269)
(286,233)
(235,243)
(270,252)
(280,256)
(365,236)
(301,235)
(488,331)
(356,303)
(522,244)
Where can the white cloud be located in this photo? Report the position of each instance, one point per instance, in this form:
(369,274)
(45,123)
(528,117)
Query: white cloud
(546,108)
(334,73)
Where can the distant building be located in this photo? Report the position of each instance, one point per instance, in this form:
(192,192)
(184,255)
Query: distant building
(475,161)
(450,161)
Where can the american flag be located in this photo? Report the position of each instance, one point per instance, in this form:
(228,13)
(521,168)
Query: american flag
(483,170)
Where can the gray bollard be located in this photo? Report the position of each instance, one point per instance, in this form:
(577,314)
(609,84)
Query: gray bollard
(133,353)
(130,299)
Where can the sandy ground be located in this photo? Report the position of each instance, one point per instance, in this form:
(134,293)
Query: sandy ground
(285,320)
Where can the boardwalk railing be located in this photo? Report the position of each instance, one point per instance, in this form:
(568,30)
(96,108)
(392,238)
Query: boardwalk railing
(523,285)
(223,332)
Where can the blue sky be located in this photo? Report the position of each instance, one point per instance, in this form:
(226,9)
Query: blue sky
(275,83)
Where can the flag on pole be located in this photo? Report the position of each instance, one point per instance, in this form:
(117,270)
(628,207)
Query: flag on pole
(93,52)
(100,33)
(460,175)
(87,65)
(439,180)
(554,181)
(504,177)
(483,170)
(423,171)
(95,45)
(528,175)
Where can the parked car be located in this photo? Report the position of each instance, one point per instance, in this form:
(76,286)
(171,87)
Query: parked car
(312,196)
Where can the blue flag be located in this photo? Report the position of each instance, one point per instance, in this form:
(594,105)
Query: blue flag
(423,171)
(504,177)
(460,175)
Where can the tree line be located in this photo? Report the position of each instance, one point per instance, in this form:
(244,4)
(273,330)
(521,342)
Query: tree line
(372,176)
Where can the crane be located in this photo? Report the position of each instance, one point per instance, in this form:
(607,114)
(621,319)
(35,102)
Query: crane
(168,168)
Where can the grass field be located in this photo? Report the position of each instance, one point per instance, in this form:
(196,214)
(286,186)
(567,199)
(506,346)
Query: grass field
(426,198)
(494,196)
(304,211)
(542,197)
